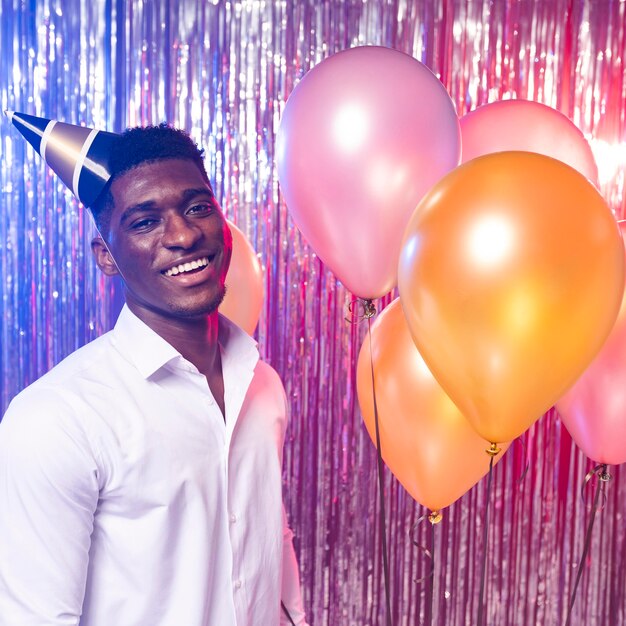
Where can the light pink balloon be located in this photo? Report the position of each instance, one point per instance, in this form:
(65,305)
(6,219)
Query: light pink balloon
(594,409)
(529,126)
(363,136)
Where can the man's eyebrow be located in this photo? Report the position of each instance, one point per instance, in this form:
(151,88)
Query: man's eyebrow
(136,208)
(186,196)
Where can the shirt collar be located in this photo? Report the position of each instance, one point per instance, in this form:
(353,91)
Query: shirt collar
(149,352)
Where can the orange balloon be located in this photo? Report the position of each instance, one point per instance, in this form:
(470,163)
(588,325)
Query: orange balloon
(425,440)
(511,277)
(244,284)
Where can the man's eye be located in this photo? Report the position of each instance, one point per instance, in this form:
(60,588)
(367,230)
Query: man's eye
(200,209)
(143,224)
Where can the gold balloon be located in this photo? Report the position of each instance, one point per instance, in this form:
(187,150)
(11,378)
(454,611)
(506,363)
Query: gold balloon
(511,276)
(244,284)
(425,441)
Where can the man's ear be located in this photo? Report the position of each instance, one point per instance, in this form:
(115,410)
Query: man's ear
(103,257)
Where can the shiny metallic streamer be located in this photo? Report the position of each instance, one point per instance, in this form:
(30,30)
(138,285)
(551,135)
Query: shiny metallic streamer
(223,70)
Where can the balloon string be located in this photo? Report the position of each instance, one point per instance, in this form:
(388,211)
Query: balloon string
(369,312)
(522,441)
(434,518)
(604,476)
(483,571)
(427,551)
(599,470)
(430,590)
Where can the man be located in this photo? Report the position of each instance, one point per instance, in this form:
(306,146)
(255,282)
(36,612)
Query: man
(140,479)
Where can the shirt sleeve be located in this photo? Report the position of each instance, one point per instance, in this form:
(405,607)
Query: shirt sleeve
(48,494)
(291,594)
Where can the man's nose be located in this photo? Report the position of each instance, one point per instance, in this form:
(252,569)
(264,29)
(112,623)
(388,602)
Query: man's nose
(180,232)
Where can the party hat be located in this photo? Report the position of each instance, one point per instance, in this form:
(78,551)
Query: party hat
(78,155)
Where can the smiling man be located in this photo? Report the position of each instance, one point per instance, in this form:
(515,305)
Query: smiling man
(140,479)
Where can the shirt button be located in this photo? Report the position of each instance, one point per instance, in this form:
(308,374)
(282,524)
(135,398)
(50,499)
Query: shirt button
(210,400)
(238,584)
(233,518)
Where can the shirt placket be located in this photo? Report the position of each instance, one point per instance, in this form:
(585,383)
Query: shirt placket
(235,384)
(234,524)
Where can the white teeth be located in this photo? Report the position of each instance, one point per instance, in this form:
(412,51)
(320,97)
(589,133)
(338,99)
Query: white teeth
(187,267)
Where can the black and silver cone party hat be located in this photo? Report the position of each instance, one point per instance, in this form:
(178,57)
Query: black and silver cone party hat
(78,155)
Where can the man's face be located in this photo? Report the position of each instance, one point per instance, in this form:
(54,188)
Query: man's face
(169,241)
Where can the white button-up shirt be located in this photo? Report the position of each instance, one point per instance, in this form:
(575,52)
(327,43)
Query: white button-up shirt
(127,499)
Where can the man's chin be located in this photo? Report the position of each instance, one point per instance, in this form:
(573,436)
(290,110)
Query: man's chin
(194,311)
(174,308)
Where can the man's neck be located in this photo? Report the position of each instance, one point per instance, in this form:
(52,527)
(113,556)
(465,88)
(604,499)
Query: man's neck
(197,341)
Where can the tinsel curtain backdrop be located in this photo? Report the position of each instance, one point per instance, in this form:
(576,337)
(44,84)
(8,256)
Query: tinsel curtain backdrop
(223,70)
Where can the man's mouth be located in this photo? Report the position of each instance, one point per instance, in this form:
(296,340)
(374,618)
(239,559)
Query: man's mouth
(191,266)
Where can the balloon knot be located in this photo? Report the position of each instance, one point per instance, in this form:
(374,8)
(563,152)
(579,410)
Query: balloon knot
(360,309)
(434,517)
(493,449)
(604,475)
(369,308)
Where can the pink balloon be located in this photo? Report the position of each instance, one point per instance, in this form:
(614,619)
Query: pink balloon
(529,126)
(363,136)
(244,284)
(594,409)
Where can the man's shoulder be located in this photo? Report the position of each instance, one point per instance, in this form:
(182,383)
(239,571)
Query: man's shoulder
(56,408)
(265,370)
(85,362)
(267,386)
(69,377)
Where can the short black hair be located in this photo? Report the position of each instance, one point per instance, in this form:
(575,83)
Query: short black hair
(144,144)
